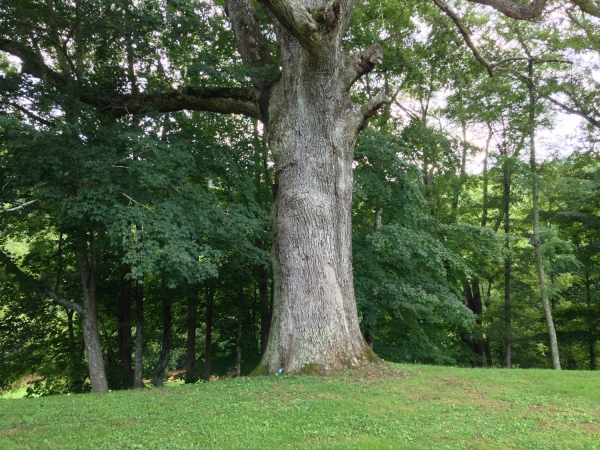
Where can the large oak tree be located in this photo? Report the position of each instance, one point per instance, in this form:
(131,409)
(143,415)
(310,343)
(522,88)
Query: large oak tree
(302,96)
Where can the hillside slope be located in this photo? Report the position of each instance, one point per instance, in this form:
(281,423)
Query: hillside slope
(386,406)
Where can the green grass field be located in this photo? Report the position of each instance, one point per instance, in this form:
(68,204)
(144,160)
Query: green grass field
(387,406)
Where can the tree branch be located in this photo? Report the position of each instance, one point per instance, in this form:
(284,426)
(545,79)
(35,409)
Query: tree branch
(517,10)
(25,278)
(591,36)
(250,42)
(359,64)
(368,109)
(295,18)
(33,63)
(30,114)
(533,59)
(20,206)
(489,66)
(371,107)
(243,101)
(574,111)
(465,34)
(410,113)
(588,6)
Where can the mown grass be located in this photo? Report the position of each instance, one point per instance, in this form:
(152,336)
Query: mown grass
(387,406)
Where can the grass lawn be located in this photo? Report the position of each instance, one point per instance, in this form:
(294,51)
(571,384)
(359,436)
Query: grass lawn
(387,406)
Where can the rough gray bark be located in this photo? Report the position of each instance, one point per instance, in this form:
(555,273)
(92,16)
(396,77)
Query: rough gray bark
(87,262)
(312,130)
(535,238)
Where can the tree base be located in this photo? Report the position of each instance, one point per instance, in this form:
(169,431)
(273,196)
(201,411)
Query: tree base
(367,357)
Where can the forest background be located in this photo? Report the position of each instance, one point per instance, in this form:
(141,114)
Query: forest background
(160,220)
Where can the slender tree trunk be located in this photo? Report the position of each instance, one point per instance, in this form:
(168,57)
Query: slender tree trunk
(463,166)
(70,324)
(238,364)
(373,304)
(312,131)
(507,266)
(486,344)
(210,299)
(124,338)
(535,239)
(591,330)
(484,219)
(139,335)
(473,294)
(87,262)
(165,351)
(190,349)
(255,306)
(553,299)
(484,215)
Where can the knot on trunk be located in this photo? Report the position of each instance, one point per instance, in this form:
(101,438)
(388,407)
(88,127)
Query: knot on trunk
(328,14)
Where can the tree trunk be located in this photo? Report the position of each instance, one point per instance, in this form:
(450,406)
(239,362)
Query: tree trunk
(190,348)
(165,350)
(463,166)
(238,362)
(535,239)
(312,131)
(368,324)
(87,262)
(473,294)
(591,328)
(210,299)
(484,214)
(124,331)
(484,219)
(507,264)
(139,335)
(486,344)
